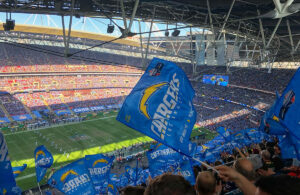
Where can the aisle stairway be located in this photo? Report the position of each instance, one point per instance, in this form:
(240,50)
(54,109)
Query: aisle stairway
(63,101)
(6,112)
(47,105)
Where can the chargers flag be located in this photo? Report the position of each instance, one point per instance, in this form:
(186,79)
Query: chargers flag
(160,106)
(283,118)
(74,178)
(18,170)
(43,161)
(99,168)
(7,179)
(112,189)
(163,159)
(225,133)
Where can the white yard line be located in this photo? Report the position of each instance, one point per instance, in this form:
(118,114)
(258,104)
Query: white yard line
(58,125)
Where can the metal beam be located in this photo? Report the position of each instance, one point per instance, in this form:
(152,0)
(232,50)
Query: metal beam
(141,40)
(297,46)
(210,18)
(133,15)
(225,21)
(261,30)
(290,34)
(274,32)
(147,49)
(123,14)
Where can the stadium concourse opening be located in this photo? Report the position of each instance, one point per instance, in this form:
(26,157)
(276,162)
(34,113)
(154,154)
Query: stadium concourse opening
(69,68)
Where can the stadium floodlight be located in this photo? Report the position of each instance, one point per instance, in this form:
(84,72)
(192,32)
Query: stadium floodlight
(167,33)
(175,33)
(110,28)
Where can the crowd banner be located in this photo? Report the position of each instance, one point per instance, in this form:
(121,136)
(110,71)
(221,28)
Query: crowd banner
(62,112)
(4,120)
(23,117)
(160,106)
(7,179)
(37,114)
(81,110)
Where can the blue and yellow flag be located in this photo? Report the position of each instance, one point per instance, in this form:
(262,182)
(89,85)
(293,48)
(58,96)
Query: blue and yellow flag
(99,168)
(160,105)
(284,116)
(43,161)
(7,179)
(18,170)
(73,179)
(225,133)
(112,189)
(163,159)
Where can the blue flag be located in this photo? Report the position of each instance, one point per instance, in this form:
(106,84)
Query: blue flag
(163,159)
(43,161)
(287,148)
(160,105)
(226,133)
(7,179)
(132,174)
(18,170)
(99,167)
(112,189)
(74,178)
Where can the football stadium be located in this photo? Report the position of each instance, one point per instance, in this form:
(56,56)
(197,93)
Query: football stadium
(149,97)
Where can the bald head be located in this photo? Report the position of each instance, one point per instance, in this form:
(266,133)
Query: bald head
(245,167)
(206,183)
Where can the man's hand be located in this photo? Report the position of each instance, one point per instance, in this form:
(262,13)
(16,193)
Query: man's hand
(227,173)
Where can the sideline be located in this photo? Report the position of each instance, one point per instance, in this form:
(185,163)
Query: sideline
(59,125)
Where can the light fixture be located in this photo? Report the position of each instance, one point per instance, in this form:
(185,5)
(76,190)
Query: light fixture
(175,33)
(110,28)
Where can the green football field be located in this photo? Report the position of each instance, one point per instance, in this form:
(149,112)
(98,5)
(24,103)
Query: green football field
(70,142)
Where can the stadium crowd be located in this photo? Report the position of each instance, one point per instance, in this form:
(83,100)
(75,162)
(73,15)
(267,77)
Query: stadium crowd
(257,169)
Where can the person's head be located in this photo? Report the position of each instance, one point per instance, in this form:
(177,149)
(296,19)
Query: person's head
(278,185)
(169,184)
(207,183)
(217,163)
(133,190)
(265,155)
(277,150)
(245,167)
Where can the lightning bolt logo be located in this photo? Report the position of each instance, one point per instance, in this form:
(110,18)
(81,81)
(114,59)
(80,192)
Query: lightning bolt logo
(99,161)
(40,152)
(146,95)
(65,175)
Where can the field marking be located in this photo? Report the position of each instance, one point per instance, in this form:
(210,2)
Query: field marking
(59,125)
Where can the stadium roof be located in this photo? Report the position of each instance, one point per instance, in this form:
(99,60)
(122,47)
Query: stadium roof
(279,19)
(78,34)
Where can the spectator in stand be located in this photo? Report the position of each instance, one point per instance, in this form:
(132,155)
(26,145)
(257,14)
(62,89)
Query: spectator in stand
(208,183)
(169,184)
(278,185)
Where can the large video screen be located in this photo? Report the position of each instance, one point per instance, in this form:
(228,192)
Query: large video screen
(216,80)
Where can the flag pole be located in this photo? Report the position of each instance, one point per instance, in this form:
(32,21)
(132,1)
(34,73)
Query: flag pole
(136,171)
(206,165)
(39,188)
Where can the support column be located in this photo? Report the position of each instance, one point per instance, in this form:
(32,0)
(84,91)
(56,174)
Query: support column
(148,42)
(67,39)
(225,21)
